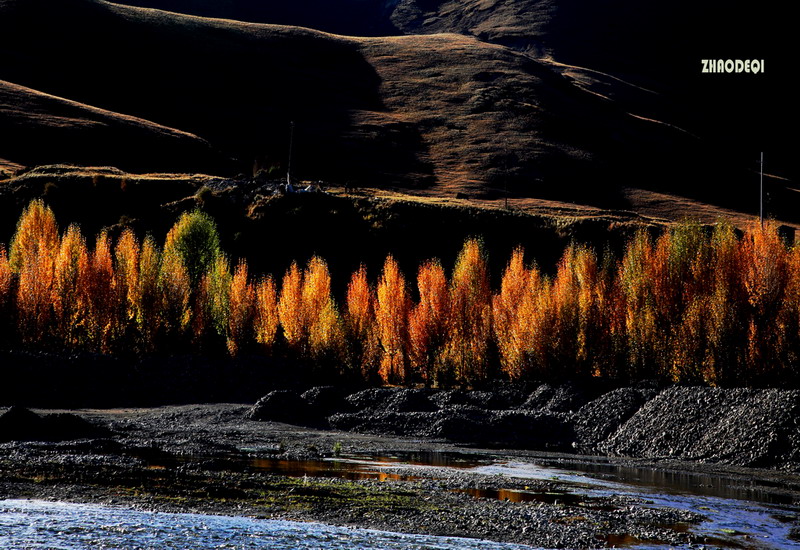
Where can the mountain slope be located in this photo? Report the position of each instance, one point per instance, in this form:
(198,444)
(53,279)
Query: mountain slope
(39,128)
(447,113)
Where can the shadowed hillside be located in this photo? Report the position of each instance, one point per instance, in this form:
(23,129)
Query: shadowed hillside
(37,127)
(504,107)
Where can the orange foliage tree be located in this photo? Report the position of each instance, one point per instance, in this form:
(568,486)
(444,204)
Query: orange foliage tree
(242,309)
(148,302)
(266,320)
(469,316)
(290,309)
(363,351)
(427,323)
(126,254)
(323,325)
(690,306)
(68,321)
(391,316)
(174,293)
(6,281)
(32,256)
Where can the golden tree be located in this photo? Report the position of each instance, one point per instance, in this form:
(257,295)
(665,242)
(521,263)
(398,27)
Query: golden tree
(469,319)
(174,292)
(97,297)
(148,304)
(32,256)
(6,280)
(360,325)
(266,314)
(290,308)
(126,254)
(427,324)
(36,235)
(320,315)
(391,315)
(68,319)
(242,309)
(765,274)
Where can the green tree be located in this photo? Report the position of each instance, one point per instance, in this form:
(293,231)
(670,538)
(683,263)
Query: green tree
(195,238)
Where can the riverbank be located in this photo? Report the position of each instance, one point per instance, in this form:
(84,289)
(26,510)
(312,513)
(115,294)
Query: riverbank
(213,459)
(733,426)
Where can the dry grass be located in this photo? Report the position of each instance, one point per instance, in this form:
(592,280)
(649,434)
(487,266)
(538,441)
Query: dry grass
(449,113)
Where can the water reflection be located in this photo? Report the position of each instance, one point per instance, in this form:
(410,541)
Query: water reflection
(676,482)
(344,469)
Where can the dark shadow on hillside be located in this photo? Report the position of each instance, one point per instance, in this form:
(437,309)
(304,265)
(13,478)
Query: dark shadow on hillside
(235,85)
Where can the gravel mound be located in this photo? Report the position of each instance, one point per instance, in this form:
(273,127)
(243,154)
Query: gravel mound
(324,401)
(599,419)
(746,427)
(21,424)
(371,399)
(563,399)
(281,406)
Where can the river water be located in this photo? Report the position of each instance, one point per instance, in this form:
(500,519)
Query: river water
(36,524)
(737,517)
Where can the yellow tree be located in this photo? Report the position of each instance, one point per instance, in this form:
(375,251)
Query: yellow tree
(636,284)
(242,309)
(127,253)
(517,313)
(266,314)
(290,308)
(174,292)
(36,235)
(5,276)
(68,319)
(148,304)
(765,274)
(391,314)
(6,280)
(320,316)
(98,295)
(360,325)
(427,323)
(32,256)
(469,321)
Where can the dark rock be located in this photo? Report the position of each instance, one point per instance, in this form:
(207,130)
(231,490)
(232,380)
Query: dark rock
(20,424)
(531,430)
(281,406)
(410,401)
(482,399)
(371,399)
(467,424)
(565,398)
(385,422)
(598,419)
(349,422)
(747,427)
(539,399)
(324,401)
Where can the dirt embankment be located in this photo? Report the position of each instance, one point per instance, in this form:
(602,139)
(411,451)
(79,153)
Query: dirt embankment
(741,427)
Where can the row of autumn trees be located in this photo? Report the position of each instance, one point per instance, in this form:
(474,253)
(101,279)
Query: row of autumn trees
(688,305)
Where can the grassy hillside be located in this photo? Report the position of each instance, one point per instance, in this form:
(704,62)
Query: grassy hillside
(472,114)
(40,128)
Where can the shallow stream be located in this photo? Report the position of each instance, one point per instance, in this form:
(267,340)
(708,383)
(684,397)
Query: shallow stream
(36,524)
(738,514)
